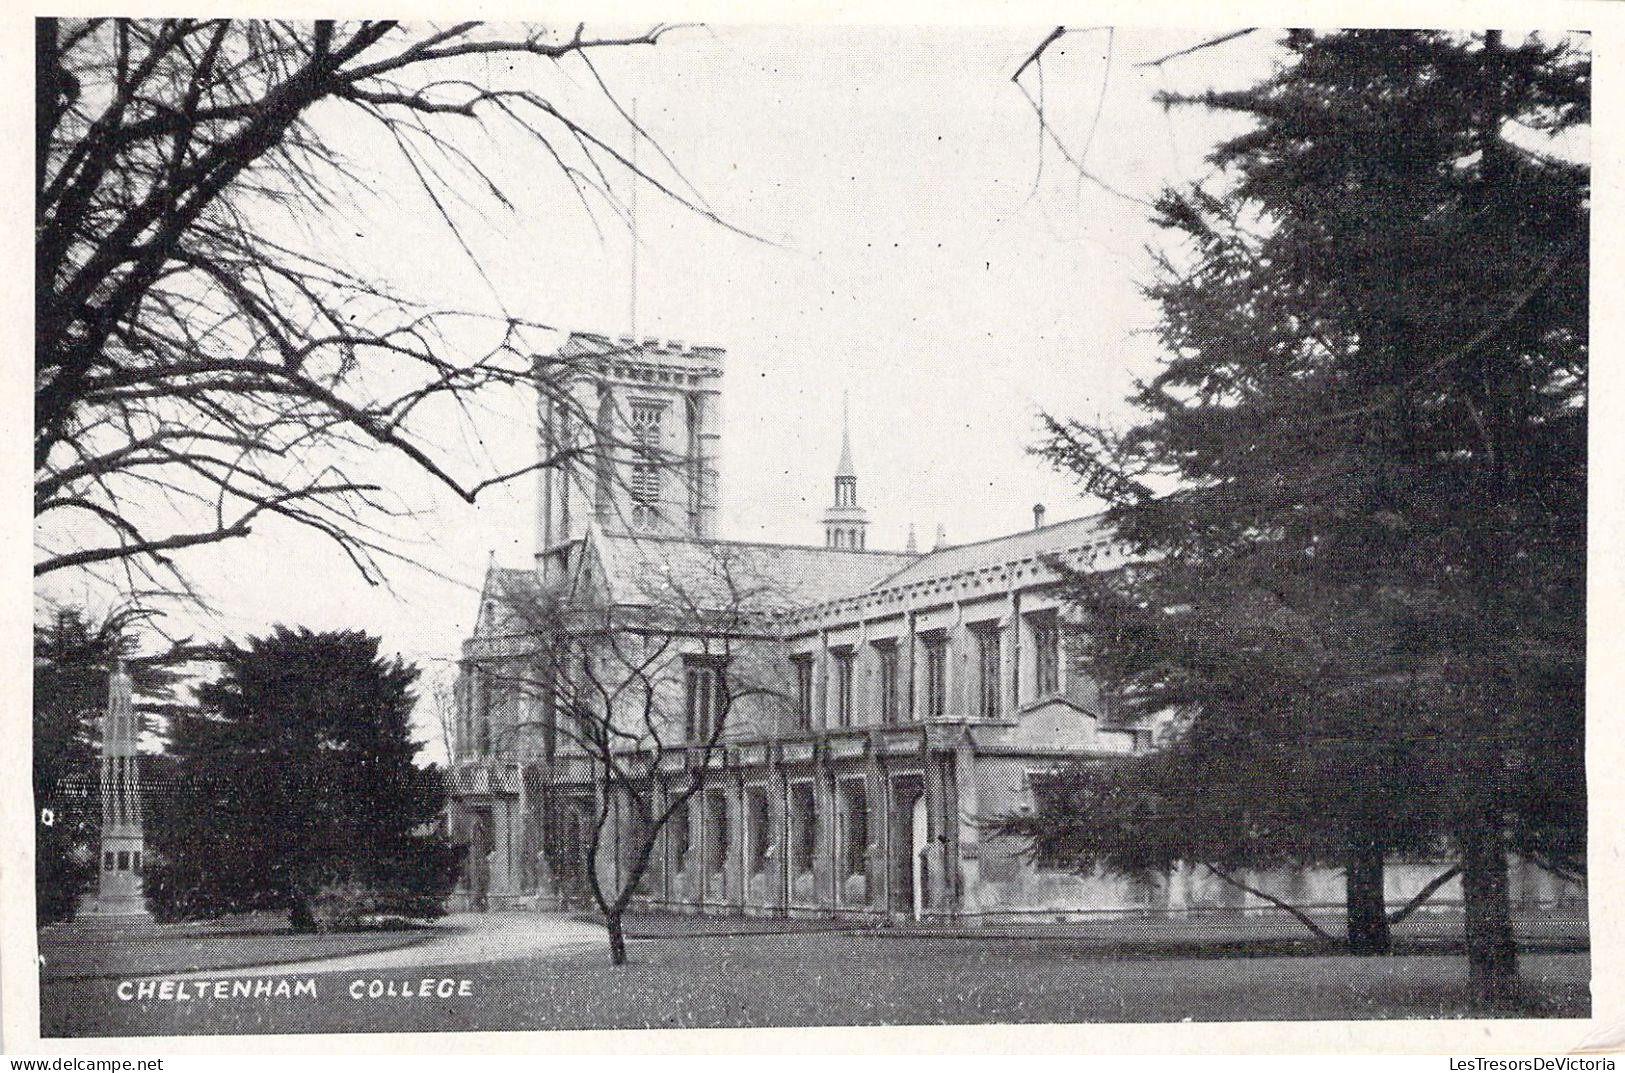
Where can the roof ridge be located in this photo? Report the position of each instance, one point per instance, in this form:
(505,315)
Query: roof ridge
(844,552)
(885,582)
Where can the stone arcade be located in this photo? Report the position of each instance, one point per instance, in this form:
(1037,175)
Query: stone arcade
(895,700)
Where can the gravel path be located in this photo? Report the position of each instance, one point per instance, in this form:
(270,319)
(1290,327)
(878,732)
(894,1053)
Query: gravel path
(469,939)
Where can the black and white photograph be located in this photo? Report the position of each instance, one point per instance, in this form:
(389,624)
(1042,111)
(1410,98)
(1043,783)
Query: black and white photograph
(553,526)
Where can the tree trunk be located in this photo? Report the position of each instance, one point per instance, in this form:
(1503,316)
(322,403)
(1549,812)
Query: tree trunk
(617,938)
(1492,954)
(300,918)
(1368,931)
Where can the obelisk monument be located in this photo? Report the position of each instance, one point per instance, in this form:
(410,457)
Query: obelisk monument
(118,872)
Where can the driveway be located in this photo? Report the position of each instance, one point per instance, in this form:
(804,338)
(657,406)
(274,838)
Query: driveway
(469,939)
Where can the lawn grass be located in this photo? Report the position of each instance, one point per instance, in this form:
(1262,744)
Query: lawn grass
(154,949)
(823,978)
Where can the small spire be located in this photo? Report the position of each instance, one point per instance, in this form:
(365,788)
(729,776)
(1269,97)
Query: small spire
(942,537)
(913,546)
(846,469)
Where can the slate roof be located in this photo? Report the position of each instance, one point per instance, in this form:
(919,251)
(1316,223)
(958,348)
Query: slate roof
(1017,547)
(507,581)
(725,573)
(764,578)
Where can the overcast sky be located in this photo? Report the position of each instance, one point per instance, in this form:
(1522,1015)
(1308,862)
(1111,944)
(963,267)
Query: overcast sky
(920,247)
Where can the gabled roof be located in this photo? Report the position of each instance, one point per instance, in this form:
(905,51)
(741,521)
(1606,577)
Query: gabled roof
(718,574)
(1017,547)
(507,583)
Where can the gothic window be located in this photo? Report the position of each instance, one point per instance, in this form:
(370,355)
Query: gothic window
(645,494)
(706,704)
(107,861)
(679,832)
(1046,655)
(760,819)
(564,475)
(988,693)
(803,827)
(717,836)
(646,471)
(123,860)
(936,676)
(854,828)
(646,425)
(887,651)
(804,691)
(843,688)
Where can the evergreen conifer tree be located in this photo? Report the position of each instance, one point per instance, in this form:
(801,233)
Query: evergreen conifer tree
(1357,493)
(296,777)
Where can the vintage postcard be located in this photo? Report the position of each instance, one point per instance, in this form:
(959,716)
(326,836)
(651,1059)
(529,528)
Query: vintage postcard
(1077,522)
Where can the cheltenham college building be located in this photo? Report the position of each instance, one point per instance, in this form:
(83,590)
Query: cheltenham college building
(857,713)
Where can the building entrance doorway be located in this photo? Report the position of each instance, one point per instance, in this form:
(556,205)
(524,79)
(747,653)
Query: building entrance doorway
(910,837)
(920,830)
(567,832)
(478,865)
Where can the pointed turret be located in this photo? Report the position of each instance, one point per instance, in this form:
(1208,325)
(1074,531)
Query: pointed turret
(846,524)
(846,469)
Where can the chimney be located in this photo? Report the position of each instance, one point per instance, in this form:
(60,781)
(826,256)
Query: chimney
(942,537)
(1038,515)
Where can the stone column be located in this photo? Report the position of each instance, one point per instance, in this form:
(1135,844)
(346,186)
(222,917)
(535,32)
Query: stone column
(820,683)
(964,837)
(907,671)
(936,898)
(501,878)
(827,879)
(778,816)
(1012,651)
(959,701)
(693,862)
(874,792)
(735,866)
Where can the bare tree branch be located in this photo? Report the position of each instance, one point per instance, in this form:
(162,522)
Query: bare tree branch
(192,356)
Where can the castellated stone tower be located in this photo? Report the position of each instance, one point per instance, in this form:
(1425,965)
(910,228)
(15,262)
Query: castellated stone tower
(846,525)
(633,433)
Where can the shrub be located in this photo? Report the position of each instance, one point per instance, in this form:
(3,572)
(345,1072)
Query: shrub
(353,906)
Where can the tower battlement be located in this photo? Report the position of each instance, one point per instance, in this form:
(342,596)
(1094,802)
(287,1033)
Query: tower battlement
(631,440)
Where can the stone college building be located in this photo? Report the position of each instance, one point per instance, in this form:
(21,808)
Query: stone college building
(858,712)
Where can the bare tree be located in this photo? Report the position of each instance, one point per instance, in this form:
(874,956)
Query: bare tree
(205,360)
(646,691)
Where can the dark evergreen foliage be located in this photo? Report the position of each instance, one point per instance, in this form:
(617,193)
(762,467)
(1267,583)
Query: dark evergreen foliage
(297,777)
(1357,496)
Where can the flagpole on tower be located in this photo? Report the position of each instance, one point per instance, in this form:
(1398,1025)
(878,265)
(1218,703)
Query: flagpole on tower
(632,303)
